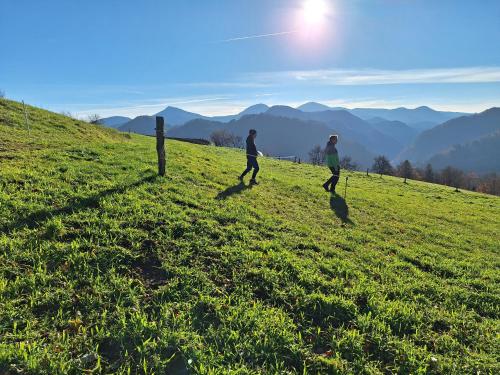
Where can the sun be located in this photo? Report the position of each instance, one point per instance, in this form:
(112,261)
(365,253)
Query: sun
(314,12)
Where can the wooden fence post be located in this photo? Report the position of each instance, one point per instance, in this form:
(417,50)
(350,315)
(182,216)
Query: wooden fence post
(160,144)
(345,189)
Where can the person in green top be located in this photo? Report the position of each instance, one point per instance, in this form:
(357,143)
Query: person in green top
(332,162)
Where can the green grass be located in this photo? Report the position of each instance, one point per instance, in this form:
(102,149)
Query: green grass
(106,268)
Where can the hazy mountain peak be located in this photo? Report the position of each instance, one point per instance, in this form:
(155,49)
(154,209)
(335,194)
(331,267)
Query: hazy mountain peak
(424,108)
(313,107)
(255,109)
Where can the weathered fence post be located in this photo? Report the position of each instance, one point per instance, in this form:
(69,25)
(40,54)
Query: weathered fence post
(160,144)
(345,190)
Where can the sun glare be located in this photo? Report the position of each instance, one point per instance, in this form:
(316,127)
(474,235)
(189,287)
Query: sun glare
(314,12)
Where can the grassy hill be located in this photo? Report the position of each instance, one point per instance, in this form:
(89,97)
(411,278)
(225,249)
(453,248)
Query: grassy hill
(105,267)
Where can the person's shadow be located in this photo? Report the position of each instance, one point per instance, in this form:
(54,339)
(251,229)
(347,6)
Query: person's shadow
(340,208)
(236,189)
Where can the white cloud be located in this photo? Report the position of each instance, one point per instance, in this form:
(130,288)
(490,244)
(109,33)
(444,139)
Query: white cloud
(361,77)
(146,107)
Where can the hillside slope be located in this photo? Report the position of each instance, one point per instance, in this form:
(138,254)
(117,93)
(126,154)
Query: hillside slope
(480,156)
(458,131)
(279,136)
(105,267)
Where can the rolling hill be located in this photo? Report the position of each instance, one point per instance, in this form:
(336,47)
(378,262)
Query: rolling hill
(141,124)
(178,117)
(421,115)
(107,268)
(480,156)
(420,118)
(114,121)
(458,131)
(348,126)
(397,130)
(279,136)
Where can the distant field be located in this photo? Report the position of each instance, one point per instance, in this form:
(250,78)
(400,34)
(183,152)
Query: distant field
(106,268)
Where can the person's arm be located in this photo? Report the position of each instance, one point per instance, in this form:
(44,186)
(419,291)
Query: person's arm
(253,148)
(327,148)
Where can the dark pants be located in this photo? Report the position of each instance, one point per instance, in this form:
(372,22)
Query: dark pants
(251,163)
(334,179)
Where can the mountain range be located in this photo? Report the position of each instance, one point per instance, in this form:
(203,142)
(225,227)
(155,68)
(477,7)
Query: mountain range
(420,118)
(114,121)
(419,135)
(448,137)
(279,136)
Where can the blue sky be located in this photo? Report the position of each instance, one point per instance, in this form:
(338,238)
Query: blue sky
(132,57)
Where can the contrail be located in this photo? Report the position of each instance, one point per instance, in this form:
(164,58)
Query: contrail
(257,36)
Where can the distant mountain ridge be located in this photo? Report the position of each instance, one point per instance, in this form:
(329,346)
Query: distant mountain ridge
(459,141)
(346,125)
(370,132)
(141,124)
(277,135)
(176,117)
(114,121)
(481,155)
(454,132)
(420,118)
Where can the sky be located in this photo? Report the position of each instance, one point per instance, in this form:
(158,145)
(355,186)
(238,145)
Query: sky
(131,57)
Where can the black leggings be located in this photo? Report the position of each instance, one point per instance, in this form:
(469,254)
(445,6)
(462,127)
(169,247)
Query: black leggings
(334,179)
(251,163)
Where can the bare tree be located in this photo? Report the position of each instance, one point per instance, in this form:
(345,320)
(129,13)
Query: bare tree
(94,118)
(489,184)
(347,163)
(452,177)
(382,165)
(316,155)
(223,138)
(429,174)
(237,142)
(405,170)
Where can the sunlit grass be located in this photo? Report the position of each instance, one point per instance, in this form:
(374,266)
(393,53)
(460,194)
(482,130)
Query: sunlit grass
(105,267)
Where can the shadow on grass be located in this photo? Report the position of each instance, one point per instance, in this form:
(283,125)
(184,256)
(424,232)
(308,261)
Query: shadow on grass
(236,189)
(76,204)
(340,208)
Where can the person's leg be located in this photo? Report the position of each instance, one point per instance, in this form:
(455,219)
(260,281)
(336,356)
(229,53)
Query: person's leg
(327,184)
(249,168)
(256,168)
(335,179)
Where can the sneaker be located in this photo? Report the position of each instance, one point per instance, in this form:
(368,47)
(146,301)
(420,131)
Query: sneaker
(253,182)
(325,186)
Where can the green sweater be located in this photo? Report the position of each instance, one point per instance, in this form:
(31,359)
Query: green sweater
(332,156)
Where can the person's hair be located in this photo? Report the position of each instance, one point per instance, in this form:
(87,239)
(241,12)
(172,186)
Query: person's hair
(252,132)
(334,136)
